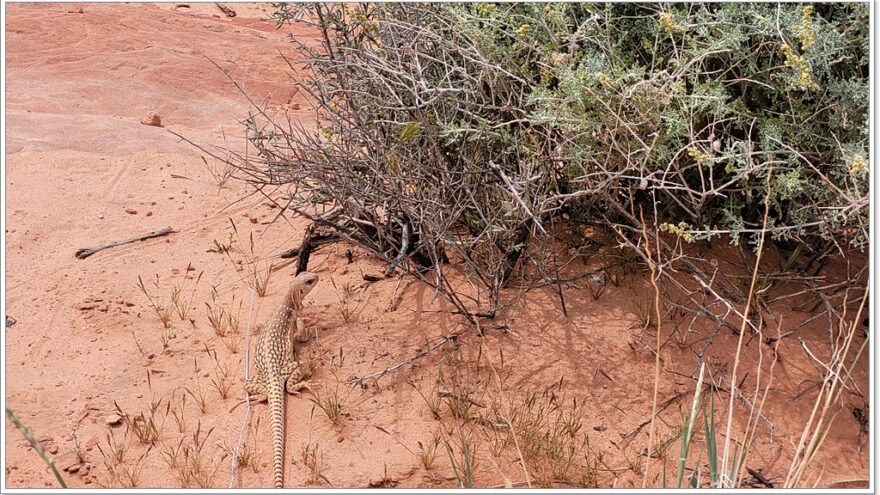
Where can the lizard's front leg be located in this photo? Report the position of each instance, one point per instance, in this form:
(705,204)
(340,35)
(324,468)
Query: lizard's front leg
(301,333)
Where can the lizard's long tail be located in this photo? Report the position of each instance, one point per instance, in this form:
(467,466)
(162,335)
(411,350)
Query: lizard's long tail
(275,394)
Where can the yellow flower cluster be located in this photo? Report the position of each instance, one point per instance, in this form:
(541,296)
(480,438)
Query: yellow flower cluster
(804,30)
(804,79)
(603,79)
(697,155)
(485,9)
(859,166)
(523,31)
(681,230)
(668,24)
(362,18)
(326,132)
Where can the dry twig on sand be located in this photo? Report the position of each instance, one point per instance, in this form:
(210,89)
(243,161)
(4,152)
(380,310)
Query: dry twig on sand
(84,253)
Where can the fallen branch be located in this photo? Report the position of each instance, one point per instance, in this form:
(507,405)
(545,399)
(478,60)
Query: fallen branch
(515,194)
(316,240)
(404,248)
(760,478)
(660,408)
(305,249)
(226,10)
(401,364)
(86,252)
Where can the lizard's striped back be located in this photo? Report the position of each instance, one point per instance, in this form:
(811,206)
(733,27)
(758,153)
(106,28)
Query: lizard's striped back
(274,361)
(273,353)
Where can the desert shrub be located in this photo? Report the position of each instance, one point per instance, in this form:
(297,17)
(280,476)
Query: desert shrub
(471,130)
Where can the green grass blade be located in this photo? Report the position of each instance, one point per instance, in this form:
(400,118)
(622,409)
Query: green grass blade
(36,445)
(687,428)
(711,449)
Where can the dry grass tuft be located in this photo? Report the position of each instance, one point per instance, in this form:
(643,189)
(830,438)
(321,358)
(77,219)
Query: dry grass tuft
(349,300)
(189,460)
(222,172)
(428,452)
(432,399)
(199,396)
(121,472)
(313,459)
(333,403)
(222,381)
(161,310)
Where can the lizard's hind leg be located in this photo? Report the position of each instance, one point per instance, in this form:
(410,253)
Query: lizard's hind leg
(296,378)
(294,387)
(256,387)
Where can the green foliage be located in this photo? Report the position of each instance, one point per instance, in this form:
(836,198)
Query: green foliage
(507,115)
(702,99)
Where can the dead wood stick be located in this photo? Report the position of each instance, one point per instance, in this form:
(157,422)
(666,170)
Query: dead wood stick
(86,252)
(305,249)
(226,10)
(662,407)
(516,195)
(448,393)
(759,477)
(401,364)
(404,248)
(316,240)
(281,266)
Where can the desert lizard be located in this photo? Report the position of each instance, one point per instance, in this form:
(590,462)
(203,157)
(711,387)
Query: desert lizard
(276,365)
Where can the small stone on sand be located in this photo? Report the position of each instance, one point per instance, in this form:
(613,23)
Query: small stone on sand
(152,119)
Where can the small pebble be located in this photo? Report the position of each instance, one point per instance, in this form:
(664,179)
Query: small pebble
(152,119)
(91,443)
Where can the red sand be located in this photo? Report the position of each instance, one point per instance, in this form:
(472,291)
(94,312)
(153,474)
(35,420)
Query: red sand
(81,170)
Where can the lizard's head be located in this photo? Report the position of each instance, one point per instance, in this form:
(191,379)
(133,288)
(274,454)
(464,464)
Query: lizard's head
(302,285)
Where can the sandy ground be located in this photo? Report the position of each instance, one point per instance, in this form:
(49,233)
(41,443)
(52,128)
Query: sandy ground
(81,170)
